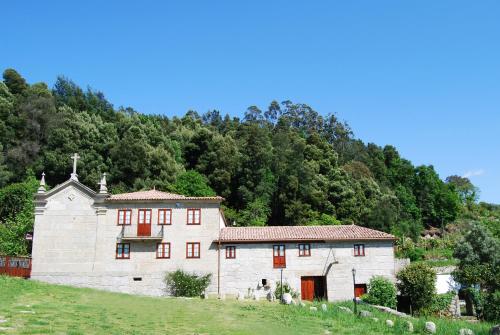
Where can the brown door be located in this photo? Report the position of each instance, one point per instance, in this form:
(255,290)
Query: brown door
(144,223)
(307,288)
(359,290)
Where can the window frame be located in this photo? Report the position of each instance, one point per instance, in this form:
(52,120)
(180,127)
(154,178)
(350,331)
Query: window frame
(230,252)
(145,216)
(305,252)
(163,254)
(124,210)
(279,262)
(122,255)
(359,250)
(165,211)
(191,245)
(194,210)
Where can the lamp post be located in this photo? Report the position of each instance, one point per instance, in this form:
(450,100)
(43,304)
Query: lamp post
(354,288)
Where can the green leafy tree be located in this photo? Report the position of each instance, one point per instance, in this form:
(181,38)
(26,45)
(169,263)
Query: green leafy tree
(193,184)
(417,281)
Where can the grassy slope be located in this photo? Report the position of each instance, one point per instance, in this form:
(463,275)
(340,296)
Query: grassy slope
(67,310)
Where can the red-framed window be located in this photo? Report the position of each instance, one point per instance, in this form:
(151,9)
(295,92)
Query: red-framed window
(194,216)
(163,250)
(144,216)
(193,250)
(359,250)
(164,216)
(122,250)
(124,217)
(230,251)
(304,250)
(279,258)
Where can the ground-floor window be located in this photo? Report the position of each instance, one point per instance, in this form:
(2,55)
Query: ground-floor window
(193,250)
(163,250)
(122,250)
(359,290)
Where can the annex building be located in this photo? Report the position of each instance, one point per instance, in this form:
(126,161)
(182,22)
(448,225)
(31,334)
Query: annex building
(128,242)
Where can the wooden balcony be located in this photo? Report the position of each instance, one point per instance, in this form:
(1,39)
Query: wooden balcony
(141,233)
(15,266)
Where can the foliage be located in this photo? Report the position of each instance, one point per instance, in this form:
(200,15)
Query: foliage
(16,219)
(406,248)
(440,303)
(193,184)
(286,288)
(479,259)
(381,291)
(417,281)
(491,306)
(281,165)
(183,284)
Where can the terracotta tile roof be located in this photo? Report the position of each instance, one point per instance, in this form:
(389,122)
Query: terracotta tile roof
(301,233)
(156,195)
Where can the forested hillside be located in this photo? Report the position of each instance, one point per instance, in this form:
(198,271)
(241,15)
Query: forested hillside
(284,164)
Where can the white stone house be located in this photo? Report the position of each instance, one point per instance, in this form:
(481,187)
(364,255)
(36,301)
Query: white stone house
(128,242)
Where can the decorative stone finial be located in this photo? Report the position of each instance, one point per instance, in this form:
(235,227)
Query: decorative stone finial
(41,189)
(75,158)
(102,185)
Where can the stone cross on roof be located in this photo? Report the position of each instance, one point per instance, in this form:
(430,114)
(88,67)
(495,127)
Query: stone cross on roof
(75,158)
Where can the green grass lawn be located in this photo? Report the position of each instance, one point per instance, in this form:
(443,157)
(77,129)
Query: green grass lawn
(31,307)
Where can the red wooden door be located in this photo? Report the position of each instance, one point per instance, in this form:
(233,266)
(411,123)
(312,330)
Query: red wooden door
(307,288)
(359,290)
(144,223)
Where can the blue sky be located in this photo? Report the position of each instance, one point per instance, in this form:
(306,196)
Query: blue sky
(423,76)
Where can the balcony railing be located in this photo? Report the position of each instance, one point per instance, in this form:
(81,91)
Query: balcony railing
(131,233)
(15,266)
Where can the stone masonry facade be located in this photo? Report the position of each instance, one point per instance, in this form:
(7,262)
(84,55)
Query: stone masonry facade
(78,240)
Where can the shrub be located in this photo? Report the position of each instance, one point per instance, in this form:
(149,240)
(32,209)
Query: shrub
(286,289)
(491,306)
(183,284)
(417,282)
(440,303)
(381,291)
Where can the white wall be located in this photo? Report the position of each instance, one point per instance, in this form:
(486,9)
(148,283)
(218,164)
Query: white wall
(255,261)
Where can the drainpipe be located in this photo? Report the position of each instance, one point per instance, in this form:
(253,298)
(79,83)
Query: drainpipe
(218,267)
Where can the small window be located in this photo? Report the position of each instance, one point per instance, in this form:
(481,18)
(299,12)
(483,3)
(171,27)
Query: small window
(122,250)
(194,216)
(164,216)
(359,250)
(124,217)
(137,278)
(230,252)
(304,250)
(279,258)
(144,216)
(163,250)
(193,250)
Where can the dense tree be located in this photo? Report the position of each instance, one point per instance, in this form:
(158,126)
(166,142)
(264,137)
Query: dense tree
(282,165)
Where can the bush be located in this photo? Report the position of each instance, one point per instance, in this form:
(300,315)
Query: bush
(440,303)
(286,289)
(183,284)
(381,291)
(417,282)
(491,306)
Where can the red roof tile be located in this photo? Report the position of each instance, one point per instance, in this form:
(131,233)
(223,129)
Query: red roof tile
(156,195)
(301,233)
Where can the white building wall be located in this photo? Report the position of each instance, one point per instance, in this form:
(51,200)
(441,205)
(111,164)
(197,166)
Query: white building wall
(75,238)
(254,262)
(75,244)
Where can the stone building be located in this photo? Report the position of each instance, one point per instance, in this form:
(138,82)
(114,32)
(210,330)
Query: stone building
(128,242)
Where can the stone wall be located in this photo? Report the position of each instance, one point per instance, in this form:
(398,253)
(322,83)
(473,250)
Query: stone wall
(254,262)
